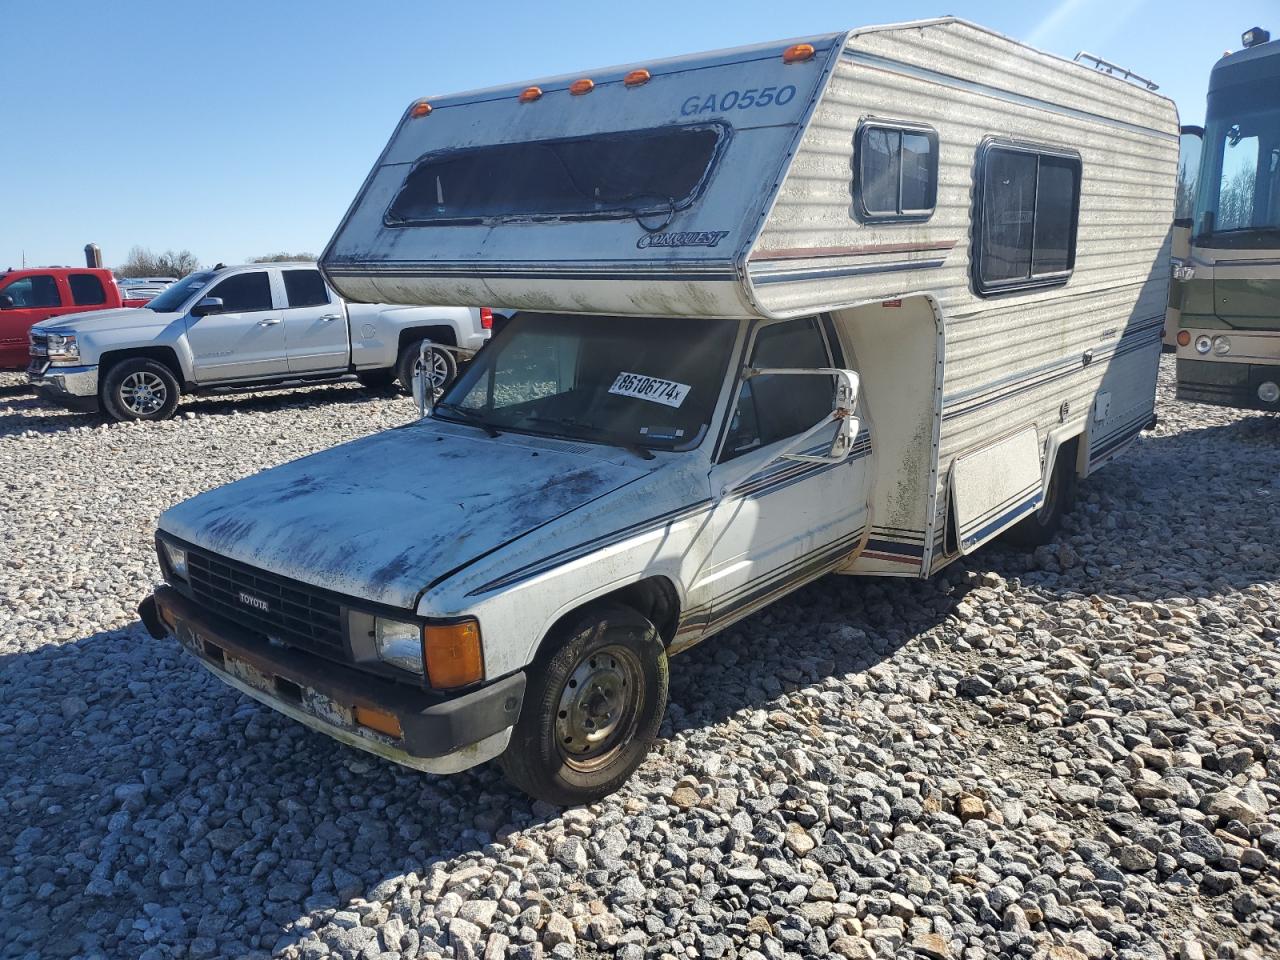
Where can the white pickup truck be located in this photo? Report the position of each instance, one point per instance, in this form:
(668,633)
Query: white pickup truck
(244,327)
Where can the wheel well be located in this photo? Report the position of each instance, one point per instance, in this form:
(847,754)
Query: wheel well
(437,334)
(653,597)
(163,355)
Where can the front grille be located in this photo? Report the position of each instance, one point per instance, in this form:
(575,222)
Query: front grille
(277,607)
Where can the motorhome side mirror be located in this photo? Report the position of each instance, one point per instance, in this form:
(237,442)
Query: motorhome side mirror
(207,306)
(843,408)
(6,302)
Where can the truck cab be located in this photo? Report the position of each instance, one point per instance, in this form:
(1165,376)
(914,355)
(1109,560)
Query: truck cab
(28,297)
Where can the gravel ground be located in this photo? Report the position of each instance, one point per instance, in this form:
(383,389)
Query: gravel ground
(1065,755)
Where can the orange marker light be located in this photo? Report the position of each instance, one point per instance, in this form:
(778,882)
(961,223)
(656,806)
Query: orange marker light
(420,109)
(798,53)
(454,657)
(530,94)
(379,720)
(1184,338)
(580,87)
(636,78)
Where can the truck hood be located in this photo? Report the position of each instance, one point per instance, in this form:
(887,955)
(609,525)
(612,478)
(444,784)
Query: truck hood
(383,517)
(101,321)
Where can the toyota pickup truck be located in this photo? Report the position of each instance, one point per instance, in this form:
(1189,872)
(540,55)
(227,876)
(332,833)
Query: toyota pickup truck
(246,327)
(28,297)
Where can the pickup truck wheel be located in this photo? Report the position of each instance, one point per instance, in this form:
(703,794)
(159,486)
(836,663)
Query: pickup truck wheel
(592,708)
(443,367)
(1039,528)
(140,389)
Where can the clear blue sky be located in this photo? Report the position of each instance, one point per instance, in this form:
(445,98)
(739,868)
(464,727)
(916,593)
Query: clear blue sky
(241,128)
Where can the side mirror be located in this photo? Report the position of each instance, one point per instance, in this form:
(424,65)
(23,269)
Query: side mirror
(6,302)
(423,394)
(207,306)
(842,413)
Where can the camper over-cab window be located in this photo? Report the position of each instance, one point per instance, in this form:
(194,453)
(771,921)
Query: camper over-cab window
(648,174)
(1028,206)
(897,172)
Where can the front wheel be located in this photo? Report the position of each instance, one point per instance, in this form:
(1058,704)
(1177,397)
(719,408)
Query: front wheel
(140,389)
(441,367)
(592,709)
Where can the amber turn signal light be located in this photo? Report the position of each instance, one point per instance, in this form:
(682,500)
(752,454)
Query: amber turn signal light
(636,78)
(1184,338)
(420,109)
(583,86)
(379,720)
(530,94)
(798,53)
(453,653)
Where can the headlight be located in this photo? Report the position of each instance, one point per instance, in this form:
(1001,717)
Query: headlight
(398,643)
(177,559)
(1221,346)
(63,346)
(1203,344)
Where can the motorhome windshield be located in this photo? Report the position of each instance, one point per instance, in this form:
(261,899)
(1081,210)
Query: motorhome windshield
(627,381)
(175,295)
(645,173)
(1239,190)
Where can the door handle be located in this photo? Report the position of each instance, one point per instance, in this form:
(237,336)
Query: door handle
(329,316)
(269,322)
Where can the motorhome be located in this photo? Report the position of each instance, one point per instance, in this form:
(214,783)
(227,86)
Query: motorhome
(1225,301)
(852,304)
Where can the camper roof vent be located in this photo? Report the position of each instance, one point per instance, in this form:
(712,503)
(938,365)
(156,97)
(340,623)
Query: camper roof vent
(1113,69)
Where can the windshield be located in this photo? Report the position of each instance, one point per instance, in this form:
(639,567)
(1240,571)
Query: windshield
(621,174)
(176,295)
(1239,190)
(628,381)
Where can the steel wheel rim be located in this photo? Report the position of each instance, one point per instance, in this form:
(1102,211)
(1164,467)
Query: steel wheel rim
(599,707)
(439,370)
(143,393)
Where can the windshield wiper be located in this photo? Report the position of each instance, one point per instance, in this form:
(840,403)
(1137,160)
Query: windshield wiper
(644,453)
(469,417)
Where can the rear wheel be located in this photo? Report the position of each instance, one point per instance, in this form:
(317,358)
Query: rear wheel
(592,708)
(140,389)
(441,367)
(1039,528)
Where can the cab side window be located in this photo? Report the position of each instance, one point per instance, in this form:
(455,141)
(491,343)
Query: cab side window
(86,290)
(305,288)
(244,292)
(40,290)
(774,407)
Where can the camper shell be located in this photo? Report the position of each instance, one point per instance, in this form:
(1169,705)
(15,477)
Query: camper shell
(855,303)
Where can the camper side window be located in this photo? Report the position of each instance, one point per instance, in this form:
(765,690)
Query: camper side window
(896,172)
(1025,222)
(774,407)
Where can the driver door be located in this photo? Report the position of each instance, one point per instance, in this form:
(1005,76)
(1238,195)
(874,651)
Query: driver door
(31,299)
(789,520)
(247,339)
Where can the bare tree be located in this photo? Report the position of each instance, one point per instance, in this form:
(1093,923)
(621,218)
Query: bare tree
(282,257)
(141,262)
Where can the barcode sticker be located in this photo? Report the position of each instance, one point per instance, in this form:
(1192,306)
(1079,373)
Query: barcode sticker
(637,385)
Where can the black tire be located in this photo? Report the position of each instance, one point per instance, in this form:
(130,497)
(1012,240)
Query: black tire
(445,365)
(1039,528)
(139,389)
(603,675)
(377,379)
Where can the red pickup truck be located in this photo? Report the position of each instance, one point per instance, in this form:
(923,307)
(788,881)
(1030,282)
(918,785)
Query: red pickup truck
(29,296)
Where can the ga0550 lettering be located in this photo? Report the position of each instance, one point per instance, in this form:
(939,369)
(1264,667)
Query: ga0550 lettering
(737,100)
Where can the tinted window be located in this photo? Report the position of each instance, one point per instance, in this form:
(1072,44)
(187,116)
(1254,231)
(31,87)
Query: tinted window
(244,292)
(86,289)
(1026,225)
(305,288)
(621,174)
(897,172)
(37,291)
(774,407)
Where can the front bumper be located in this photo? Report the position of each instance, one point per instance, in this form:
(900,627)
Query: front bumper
(438,734)
(74,387)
